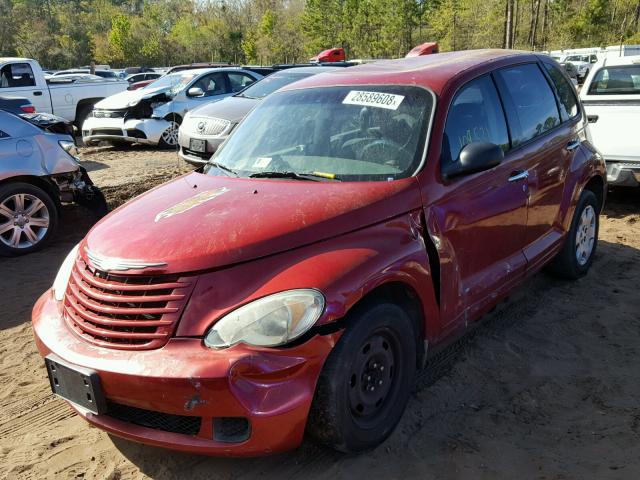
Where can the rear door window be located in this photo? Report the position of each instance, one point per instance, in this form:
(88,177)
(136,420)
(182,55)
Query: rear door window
(530,103)
(238,81)
(623,80)
(566,93)
(17,75)
(475,115)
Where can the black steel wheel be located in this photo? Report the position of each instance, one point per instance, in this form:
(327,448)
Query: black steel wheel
(366,381)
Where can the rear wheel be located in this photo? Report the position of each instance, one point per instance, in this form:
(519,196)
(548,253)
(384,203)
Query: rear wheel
(28,218)
(579,248)
(366,381)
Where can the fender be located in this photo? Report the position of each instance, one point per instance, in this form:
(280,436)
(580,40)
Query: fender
(345,269)
(586,166)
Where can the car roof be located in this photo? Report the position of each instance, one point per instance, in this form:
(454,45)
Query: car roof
(431,71)
(615,61)
(203,71)
(13,59)
(312,70)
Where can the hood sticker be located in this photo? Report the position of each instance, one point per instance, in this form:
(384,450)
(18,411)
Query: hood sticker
(190,203)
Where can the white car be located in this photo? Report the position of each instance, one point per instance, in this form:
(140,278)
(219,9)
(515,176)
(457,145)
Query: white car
(71,99)
(153,114)
(611,98)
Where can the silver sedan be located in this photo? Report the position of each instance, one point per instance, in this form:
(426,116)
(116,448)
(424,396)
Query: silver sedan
(38,173)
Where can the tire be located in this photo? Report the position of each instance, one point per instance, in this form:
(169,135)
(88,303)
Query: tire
(169,138)
(81,116)
(578,251)
(19,233)
(345,413)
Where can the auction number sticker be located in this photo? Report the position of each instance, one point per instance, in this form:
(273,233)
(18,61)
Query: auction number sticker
(373,99)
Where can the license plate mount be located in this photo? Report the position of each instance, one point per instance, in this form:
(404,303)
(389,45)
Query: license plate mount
(79,385)
(198,145)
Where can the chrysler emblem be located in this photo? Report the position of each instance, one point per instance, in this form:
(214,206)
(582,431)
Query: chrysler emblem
(111,264)
(201,126)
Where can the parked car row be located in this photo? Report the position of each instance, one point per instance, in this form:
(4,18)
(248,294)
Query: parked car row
(353,223)
(205,127)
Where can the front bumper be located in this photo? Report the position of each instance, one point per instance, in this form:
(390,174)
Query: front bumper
(271,388)
(623,174)
(134,130)
(198,158)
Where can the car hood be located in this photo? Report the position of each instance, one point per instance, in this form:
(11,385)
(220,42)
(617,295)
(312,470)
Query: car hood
(202,222)
(129,98)
(233,109)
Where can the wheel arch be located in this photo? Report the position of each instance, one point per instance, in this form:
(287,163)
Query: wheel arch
(406,297)
(82,104)
(39,182)
(596,185)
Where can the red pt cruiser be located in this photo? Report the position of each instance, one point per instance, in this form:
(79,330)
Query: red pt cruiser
(353,221)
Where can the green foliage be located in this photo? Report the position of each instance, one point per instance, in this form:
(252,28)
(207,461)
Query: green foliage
(66,33)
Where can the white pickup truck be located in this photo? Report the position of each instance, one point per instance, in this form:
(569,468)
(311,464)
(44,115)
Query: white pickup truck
(611,99)
(70,99)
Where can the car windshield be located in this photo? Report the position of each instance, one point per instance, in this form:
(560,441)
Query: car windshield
(271,83)
(577,58)
(175,81)
(624,80)
(349,133)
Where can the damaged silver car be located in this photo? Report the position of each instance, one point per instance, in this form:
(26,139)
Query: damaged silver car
(153,114)
(39,172)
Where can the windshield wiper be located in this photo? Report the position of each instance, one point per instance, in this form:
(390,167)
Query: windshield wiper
(313,176)
(273,174)
(223,167)
(241,95)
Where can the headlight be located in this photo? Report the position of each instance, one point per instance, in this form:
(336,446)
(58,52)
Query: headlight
(270,321)
(62,278)
(69,147)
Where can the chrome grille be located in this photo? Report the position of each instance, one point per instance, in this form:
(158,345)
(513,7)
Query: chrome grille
(208,126)
(102,113)
(130,312)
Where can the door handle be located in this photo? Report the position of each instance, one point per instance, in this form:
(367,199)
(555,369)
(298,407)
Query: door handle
(37,93)
(592,118)
(572,145)
(521,175)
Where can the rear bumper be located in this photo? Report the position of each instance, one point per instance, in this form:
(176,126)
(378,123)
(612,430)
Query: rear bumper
(271,388)
(623,174)
(146,130)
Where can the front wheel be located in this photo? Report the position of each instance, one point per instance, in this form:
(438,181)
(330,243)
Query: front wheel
(579,248)
(366,381)
(169,138)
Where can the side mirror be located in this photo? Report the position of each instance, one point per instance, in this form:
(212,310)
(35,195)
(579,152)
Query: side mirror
(474,157)
(195,92)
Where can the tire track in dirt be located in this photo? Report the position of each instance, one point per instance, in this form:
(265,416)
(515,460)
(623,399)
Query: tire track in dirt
(37,417)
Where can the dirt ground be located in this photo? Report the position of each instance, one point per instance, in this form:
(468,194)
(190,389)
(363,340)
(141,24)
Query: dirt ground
(546,388)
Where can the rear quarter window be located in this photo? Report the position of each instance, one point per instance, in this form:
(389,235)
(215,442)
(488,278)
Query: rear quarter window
(3,134)
(566,93)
